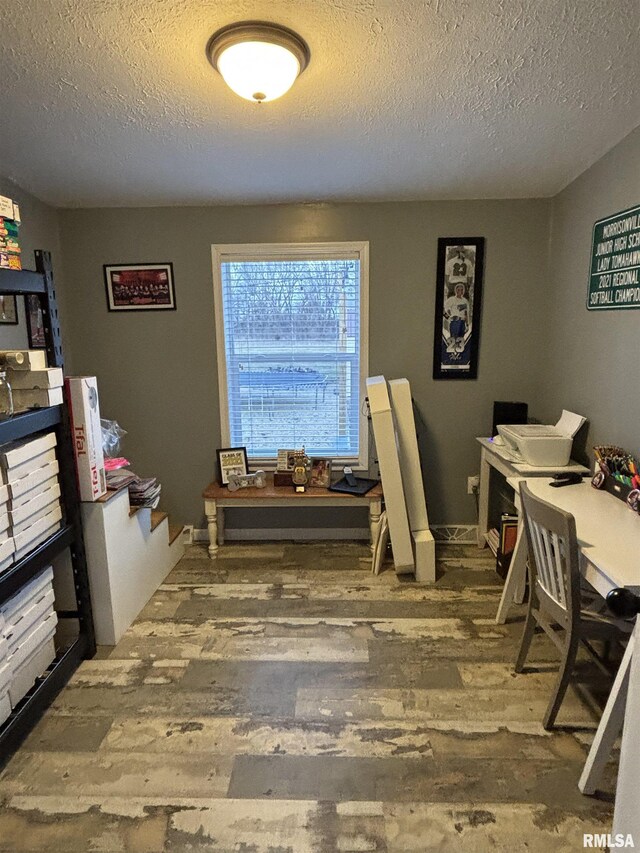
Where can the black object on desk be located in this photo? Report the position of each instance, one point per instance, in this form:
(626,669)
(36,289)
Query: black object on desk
(361,485)
(508,413)
(570,478)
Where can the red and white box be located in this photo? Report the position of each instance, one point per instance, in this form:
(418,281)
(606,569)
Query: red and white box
(82,394)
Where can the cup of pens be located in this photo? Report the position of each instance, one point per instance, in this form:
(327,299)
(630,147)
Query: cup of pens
(619,474)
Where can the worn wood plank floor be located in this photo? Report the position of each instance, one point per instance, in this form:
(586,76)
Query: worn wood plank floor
(283,700)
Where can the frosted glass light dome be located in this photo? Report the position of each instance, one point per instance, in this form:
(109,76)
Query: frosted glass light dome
(258,71)
(258,61)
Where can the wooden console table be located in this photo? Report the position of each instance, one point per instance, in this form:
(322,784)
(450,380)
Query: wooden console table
(217,498)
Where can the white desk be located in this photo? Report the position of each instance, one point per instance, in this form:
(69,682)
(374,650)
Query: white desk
(497,456)
(608,532)
(609,539)
(626,816)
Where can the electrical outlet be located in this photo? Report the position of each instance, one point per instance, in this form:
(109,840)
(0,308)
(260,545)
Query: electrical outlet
(473,483)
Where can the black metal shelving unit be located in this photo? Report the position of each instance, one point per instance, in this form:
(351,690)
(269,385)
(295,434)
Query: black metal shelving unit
(56,418)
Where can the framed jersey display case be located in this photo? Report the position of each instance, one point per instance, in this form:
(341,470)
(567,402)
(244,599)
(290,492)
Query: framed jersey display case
(458,301)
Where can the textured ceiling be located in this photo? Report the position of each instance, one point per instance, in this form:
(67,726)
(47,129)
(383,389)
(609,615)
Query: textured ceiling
(113,102)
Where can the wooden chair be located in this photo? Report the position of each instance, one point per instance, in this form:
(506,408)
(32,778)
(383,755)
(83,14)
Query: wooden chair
(556,598)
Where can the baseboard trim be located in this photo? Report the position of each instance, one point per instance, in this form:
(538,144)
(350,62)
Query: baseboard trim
(267,534)
(465,534)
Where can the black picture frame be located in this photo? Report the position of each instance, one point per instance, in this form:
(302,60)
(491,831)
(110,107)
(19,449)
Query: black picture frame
(150,287)
(8,310)
(35,325)
(459,276)
(228,468)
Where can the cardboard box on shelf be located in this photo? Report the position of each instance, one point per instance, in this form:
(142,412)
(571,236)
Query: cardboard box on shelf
(16,453)
(30,466)
(26,497)
(19,487)
(82,393)
(28,607)
(25,380)
(7,548)
(36,533)
(6,675)
(37,398)
(24,359)
(32,658)
(23,516)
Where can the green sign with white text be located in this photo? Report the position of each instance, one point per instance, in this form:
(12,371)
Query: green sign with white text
(614,278)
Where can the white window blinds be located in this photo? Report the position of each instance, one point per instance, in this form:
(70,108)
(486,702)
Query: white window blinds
(293,344)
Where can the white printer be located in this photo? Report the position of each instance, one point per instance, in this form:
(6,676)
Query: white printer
(542,445)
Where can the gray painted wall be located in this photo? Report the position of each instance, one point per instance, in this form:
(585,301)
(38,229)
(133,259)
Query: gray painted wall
(592,357)
(157,372)
(39,230)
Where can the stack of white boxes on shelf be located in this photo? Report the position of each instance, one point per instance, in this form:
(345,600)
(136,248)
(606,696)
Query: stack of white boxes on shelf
(31,494)
(30,512)
(27,625)
(5,674)
(33,384)
(7,548)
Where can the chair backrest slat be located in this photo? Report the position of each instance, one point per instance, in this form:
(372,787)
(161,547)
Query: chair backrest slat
(553,552)
(544,576)
(558,568)
(538,549)
(551,585)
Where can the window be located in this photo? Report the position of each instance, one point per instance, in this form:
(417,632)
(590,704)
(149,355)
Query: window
(291,326)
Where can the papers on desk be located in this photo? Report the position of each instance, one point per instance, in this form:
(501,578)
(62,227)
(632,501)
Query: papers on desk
(569,423)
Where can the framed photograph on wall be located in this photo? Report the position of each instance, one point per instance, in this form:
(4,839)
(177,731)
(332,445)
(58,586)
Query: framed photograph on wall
(140,287)
(8,310)
(35,324)
(232,460)
(458,304)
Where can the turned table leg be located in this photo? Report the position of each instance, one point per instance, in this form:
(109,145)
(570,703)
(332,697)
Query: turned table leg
(375,510)
(211,511)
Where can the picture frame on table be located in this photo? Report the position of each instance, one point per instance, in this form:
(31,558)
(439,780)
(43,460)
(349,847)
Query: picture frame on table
(232,460)
(35,321)
(320,476)
(140,287)
(459,280)
(285,460)
(8,310)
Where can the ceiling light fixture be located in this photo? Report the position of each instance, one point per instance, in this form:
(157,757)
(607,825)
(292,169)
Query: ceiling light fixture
(258,60)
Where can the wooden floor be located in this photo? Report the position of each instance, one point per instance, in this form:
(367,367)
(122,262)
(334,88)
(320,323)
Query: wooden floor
(283,700)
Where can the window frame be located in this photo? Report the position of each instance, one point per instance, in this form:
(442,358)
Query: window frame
(237,252)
